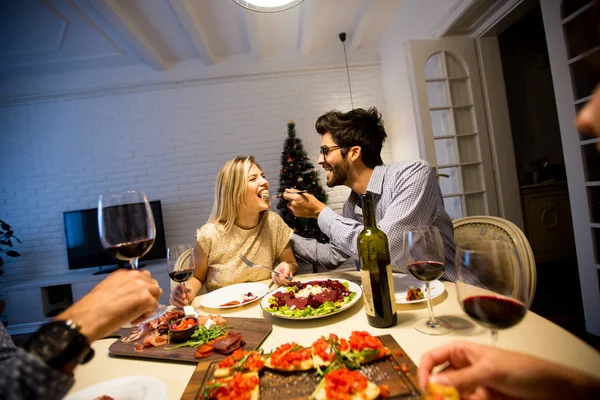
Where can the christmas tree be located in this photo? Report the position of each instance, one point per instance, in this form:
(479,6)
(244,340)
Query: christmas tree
(297,172)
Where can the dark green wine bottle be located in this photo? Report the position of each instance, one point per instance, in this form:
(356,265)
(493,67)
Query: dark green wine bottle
(375,270)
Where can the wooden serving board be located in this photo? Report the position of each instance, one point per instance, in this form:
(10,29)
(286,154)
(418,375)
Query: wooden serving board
(300,385)
(254,331)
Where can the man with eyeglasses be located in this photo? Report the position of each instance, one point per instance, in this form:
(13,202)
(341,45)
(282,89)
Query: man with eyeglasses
(405,194)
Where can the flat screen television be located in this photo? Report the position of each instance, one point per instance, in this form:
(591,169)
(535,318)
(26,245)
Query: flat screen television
(84,249)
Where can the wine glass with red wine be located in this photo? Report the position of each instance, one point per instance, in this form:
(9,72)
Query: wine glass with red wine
(491,284)
(126,227)
(425,260)
(180,263)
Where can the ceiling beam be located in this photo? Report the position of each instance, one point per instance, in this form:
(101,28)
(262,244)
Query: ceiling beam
(250,24)
(118,18)
(308,18)
(371,12)
(194,30)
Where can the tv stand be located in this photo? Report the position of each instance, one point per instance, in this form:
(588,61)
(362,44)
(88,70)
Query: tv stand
(31,303)
(113,269)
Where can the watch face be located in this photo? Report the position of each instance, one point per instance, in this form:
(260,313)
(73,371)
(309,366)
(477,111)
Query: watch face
(59,343)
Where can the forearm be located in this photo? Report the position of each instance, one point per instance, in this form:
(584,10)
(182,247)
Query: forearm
(321,254)
(342,232)
(193,285)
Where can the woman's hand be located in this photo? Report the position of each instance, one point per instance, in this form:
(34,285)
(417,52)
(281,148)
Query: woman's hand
(179,295)
(284,270)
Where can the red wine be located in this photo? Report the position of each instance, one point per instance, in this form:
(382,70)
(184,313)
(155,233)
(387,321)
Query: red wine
(130,250)
(494,312)
(181,275)
(426,271)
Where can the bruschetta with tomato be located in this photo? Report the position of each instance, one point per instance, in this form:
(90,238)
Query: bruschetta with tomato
(290,357)
(240,361)
(239,386)
(344,383)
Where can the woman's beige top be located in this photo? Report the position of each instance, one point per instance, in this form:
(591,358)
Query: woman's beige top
(262,244)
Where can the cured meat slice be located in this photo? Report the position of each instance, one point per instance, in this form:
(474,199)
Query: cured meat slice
(136,334)
(231,343)
(298,302)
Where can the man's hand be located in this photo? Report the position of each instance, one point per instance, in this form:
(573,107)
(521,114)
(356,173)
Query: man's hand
(124,296)
(303,205)
(483,372)
(284,270)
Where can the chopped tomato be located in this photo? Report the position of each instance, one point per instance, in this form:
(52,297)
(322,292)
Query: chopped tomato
(404,368)
(238,387)
(254,362)
(289,355)
(322,348)
(360,341)
(384,391)
(341,384)
(184,324)
(398,353)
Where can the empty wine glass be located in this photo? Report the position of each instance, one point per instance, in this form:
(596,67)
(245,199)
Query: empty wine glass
(491,284)
(180,263)
(126,227)
(424,258)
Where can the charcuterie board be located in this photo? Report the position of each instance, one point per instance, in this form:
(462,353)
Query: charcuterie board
(253,330)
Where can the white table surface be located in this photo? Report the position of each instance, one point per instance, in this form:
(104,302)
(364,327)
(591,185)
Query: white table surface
(534,335)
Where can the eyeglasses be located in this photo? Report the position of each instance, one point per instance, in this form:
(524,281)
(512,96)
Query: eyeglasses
(326,149)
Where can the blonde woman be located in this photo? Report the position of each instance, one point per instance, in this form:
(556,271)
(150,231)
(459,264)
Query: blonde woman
(240,223)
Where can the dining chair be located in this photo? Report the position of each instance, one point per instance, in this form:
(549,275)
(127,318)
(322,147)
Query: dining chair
(484,227)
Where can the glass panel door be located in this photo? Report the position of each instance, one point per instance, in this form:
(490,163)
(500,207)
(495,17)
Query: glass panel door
(455,137)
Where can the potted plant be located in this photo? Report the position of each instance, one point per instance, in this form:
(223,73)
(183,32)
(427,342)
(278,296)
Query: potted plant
(6,236)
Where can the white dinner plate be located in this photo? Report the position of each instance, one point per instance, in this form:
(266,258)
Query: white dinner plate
(403,282)
(125,388)
(353,287)
(227,294)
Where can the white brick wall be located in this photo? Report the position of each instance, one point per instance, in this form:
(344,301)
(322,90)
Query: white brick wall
(59,155)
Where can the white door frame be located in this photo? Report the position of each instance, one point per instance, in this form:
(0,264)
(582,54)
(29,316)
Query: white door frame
(500,133)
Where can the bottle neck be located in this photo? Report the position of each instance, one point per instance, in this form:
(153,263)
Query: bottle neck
(367,210)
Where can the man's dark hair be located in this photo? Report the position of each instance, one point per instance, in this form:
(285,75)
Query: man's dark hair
(358,127)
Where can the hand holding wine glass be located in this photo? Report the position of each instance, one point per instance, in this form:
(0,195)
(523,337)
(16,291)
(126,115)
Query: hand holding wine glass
(181,267)
(491,284)
(424,259)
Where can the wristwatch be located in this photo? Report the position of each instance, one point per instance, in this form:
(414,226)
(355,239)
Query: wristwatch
(61,345)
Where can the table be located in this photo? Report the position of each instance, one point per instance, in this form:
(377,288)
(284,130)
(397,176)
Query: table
(534,335)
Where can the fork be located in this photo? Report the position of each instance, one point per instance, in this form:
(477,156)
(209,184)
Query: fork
(252,265)
(279,195)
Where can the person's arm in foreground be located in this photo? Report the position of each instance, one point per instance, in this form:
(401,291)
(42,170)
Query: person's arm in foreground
(483,372)
(124,296)
(287,266)
(181,298)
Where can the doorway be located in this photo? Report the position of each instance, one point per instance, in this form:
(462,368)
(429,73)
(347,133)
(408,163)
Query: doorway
(541,172)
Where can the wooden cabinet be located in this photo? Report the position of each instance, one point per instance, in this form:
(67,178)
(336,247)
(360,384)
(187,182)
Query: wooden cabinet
(547,217)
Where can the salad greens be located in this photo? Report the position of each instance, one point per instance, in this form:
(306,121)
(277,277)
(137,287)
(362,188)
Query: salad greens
(201,336)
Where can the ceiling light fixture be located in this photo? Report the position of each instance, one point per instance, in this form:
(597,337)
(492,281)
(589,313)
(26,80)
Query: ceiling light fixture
(268,6)
(342,37)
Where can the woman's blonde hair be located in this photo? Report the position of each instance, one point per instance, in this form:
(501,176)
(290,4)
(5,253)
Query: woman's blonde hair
(230,190)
